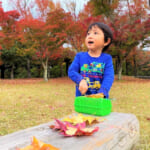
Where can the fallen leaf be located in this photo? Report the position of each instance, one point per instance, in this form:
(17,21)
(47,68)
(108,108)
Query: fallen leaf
(89,131)
(38,145)
(81,118)
(89,119)
(71,131)
(100,95)
(74,119)
(67,129)
(62,125)
(102,119)
(148,118)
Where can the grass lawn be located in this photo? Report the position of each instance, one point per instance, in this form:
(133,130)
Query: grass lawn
(29,102)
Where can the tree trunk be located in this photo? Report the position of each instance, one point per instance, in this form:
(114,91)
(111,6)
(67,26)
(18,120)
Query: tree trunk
(61,70)
(135,66)
(119,72)
(119,68)
(67,66)
(28,68)
(45,67)
(12,71)
(127,68)
(49,72)
(45,73)
(2,71)
(116,65)
(68,62)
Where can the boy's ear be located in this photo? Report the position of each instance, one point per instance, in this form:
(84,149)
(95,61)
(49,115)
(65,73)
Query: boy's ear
(108,41)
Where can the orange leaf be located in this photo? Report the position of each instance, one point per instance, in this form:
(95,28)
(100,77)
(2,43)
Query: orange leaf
(38,145)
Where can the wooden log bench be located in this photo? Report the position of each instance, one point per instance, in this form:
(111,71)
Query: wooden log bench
(120,131)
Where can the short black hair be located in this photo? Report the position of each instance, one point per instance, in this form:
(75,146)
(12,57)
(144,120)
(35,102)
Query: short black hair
(106,30)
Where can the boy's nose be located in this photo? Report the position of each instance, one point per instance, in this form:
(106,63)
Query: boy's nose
(90,36)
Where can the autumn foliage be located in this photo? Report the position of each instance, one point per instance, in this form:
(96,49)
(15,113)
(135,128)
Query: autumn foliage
(8,32)
(130,26)
(42,37)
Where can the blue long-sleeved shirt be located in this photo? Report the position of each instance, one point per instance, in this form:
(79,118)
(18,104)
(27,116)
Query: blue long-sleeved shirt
(97,71)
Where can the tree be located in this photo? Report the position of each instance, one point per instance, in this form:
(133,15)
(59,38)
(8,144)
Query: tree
(24,7)
(71,6)
(36,38)
(62,19)
(141,62)
(103,7)
(10,59)
(8,32)
(44,7)
(65,56)
(45,38)
(68,56)
(24,49)
(129,29)
(76,32)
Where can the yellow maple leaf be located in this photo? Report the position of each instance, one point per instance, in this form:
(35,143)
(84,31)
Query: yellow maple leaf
(74,120)
(71,131)
(87,129)
(102,119)
(80,118)
(89,119)
(100,95)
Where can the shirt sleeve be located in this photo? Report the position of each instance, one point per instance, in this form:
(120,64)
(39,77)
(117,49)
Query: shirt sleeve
(74,70)
(108,77)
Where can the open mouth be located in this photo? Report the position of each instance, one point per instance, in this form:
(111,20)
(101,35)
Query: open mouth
(90,42)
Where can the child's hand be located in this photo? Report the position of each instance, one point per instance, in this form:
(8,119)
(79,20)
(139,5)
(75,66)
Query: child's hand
(83,86)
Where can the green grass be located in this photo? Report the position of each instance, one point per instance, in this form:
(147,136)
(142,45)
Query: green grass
(26,103)
(134,97)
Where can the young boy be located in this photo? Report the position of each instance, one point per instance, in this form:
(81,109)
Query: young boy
(92,71)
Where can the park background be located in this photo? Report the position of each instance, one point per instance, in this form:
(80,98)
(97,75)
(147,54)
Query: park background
(40,38)
(38,41)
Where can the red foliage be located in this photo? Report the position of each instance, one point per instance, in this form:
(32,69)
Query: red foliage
(44,43)
(76,34)
(8,22)
(0,47)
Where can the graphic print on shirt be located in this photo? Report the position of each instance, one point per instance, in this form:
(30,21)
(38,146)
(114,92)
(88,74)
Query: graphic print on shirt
(93,73)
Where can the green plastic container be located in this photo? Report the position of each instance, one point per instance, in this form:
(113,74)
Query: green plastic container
(94,106)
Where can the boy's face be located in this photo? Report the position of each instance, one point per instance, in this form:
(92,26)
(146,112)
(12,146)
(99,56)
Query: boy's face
(95,39)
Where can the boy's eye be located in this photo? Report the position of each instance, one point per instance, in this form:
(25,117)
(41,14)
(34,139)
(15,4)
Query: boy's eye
(95,33)
(88,33)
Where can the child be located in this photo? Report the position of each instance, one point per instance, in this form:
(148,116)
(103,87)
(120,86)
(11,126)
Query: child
(92,71)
